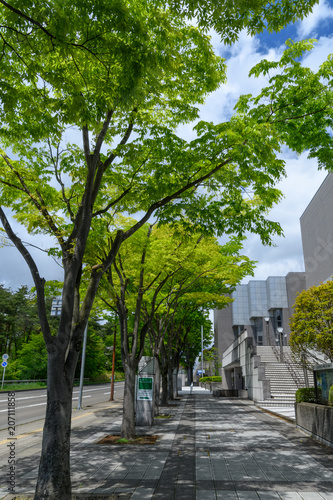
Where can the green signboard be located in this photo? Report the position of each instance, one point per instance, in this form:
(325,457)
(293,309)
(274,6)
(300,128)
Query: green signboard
(145,388)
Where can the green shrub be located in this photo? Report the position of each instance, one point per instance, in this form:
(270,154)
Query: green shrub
(31,361)
(330,396)
(106,377)
(210,379)
(306,395)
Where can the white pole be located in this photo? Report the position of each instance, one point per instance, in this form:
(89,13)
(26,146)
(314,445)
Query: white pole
(3,376)
(202,373)
(79,406)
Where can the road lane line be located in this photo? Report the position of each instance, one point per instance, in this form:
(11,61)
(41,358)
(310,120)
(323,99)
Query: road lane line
(85,389)
(20,436)
(39,404)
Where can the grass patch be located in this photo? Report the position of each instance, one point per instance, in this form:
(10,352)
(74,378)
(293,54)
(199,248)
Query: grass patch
(163,416)
(23,386)
(113,496)
(140,440)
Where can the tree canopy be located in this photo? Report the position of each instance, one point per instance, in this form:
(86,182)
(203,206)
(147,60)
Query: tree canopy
(311,325)
(91,95)
(156,284)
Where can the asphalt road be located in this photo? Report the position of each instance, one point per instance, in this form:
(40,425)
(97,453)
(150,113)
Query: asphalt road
(31,405)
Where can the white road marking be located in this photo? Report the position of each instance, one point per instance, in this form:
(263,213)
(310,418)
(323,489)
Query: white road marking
(37,404)
(86,389)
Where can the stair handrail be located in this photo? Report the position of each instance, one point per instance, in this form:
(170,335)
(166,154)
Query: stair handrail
(276,352)
(290,365)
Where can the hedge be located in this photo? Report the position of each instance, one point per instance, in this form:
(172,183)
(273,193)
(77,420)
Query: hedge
(305,395)
(210,379)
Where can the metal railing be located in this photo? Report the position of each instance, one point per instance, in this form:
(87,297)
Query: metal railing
(290,366)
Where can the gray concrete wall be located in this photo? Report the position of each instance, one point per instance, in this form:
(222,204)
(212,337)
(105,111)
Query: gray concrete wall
(241,359)
(296,282)
(316,420)
(317,235)
(223,333)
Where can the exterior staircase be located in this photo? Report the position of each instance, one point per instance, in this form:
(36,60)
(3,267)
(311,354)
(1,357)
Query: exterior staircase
(284,378)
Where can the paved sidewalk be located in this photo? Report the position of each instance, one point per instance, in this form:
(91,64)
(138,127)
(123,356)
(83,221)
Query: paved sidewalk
(210,448)
(287,412)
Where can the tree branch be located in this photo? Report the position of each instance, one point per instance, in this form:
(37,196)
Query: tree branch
(38,281)
(173,196)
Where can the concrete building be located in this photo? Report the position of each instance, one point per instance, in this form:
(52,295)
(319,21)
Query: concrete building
(253,320)
(317,235)
(246,333)
(259,307)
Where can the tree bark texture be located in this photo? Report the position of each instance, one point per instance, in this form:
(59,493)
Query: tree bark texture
(170,383)
(157,390)
(164,396)
(128,423)
(54,480)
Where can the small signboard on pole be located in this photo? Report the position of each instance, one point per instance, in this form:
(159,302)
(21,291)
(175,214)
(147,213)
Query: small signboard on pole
(145,389)
(4,364)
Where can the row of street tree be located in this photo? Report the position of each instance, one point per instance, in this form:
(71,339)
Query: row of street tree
(161,285)
(91,95)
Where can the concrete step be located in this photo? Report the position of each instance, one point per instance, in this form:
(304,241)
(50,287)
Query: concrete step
(269,402)
(284,381)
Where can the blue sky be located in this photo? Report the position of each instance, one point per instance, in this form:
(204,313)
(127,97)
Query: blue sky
(303,177)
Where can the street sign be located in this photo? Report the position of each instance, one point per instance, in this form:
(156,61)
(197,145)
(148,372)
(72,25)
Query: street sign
(4,364)
(145,388)
(5,356)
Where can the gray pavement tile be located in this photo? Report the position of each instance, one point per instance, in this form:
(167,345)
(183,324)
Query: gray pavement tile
(247,495)
(226,495)
(289,495)
(308,495)
(205,495)
(268,495)
(142,493)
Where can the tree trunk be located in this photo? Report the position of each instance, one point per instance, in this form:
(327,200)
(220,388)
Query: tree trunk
(170,383)
(164,396)
(175,384)
(157,390)
(128,423)
(54,480)
(190,374)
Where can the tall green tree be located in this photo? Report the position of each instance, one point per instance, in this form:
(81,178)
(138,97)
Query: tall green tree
(122,76)
(152,271)
(311,338)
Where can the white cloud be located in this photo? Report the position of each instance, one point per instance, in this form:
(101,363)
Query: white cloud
(322,13)
(303,177)
(322,49)
(302,181)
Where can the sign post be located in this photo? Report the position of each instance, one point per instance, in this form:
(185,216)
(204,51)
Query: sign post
(145,389)
(145,400)
(4,364)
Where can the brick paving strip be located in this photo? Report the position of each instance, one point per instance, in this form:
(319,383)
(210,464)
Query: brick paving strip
(178,476)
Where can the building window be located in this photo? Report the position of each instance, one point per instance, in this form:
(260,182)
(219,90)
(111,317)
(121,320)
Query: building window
(277,319)
(257,328)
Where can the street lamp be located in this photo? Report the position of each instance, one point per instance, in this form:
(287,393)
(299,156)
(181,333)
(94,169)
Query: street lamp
(280,332)
(267,329)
